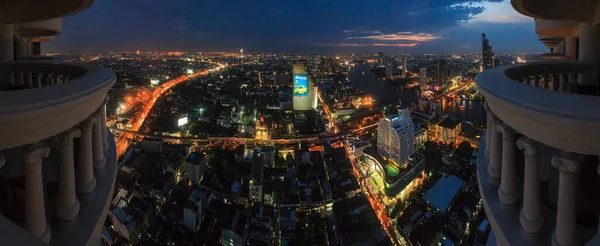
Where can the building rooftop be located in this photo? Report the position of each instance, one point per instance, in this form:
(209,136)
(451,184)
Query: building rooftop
(448,122)
(443,192)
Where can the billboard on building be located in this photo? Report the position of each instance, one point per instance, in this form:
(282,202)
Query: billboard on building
(154,82)
(301,85)
(182,121)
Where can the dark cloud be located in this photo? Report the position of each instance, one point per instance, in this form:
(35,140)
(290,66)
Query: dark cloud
(266,25)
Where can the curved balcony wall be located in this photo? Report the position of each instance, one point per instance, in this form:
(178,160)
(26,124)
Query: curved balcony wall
(568,10)
(38,30)
(25,11)
(65,94)
(58,159)
(556,28)
(540,154)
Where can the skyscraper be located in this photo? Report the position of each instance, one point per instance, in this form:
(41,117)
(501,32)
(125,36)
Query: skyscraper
(423,79)
(486,53)
(303,91)
(442,72)
(396,136)
(404,68)
(389,66)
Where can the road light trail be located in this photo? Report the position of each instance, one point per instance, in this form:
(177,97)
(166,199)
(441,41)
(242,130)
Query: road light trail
(138,119)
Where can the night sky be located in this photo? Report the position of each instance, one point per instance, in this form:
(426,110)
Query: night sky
(349,26)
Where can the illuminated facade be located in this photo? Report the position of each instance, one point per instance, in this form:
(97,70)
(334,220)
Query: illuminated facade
(396,137)
(423,79)
(304,90)
(394,178)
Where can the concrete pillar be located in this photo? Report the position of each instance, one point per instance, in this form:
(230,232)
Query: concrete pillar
(98,143)
(36,49)
(86,182)
(558,49)
(67,205)
(570,47)
(494,168)
(531,213)
(588,51)
(507,191)
(6,43)
(565,232)
(35,209)
(20,48)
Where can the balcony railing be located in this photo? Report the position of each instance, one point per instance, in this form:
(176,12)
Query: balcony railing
(540,145)
(57,157)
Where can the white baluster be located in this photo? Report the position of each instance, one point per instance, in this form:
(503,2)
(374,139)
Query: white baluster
(507,191)
(104,128)
(38,79)
(494,167)
(565,232)
(531,213)
(35,209)
(98,143)
(29,79)
(67,206)
(489,129)
(86,182)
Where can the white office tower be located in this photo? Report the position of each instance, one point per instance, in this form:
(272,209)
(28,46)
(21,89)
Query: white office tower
(304,89)
(423,79)
(193,211)
(396,137)
(538,160)
(49,111)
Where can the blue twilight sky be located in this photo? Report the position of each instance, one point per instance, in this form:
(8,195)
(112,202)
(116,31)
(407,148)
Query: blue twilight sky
(413,26)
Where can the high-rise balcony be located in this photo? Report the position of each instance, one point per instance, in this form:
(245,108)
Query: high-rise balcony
(57,158)
(569,10)
(538,160)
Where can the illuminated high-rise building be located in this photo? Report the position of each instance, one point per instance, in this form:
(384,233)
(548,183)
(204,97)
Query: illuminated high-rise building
(423,79)
(396,136)
(487,56)
(442,72)
(389,66)
(304,95)
(404,68)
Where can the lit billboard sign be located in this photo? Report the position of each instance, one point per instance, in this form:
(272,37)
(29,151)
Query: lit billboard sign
(154,81)
(301,85)
(182,121)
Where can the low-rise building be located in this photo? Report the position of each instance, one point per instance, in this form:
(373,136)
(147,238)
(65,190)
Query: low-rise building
(448,130)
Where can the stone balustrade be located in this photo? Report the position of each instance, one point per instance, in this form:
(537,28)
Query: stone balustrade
(61,129)
(524,118)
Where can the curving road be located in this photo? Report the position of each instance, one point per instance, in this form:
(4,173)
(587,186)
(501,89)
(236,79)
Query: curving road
(138,119)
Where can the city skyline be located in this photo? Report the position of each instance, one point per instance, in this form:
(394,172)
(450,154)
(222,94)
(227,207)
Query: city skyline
(313,27)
